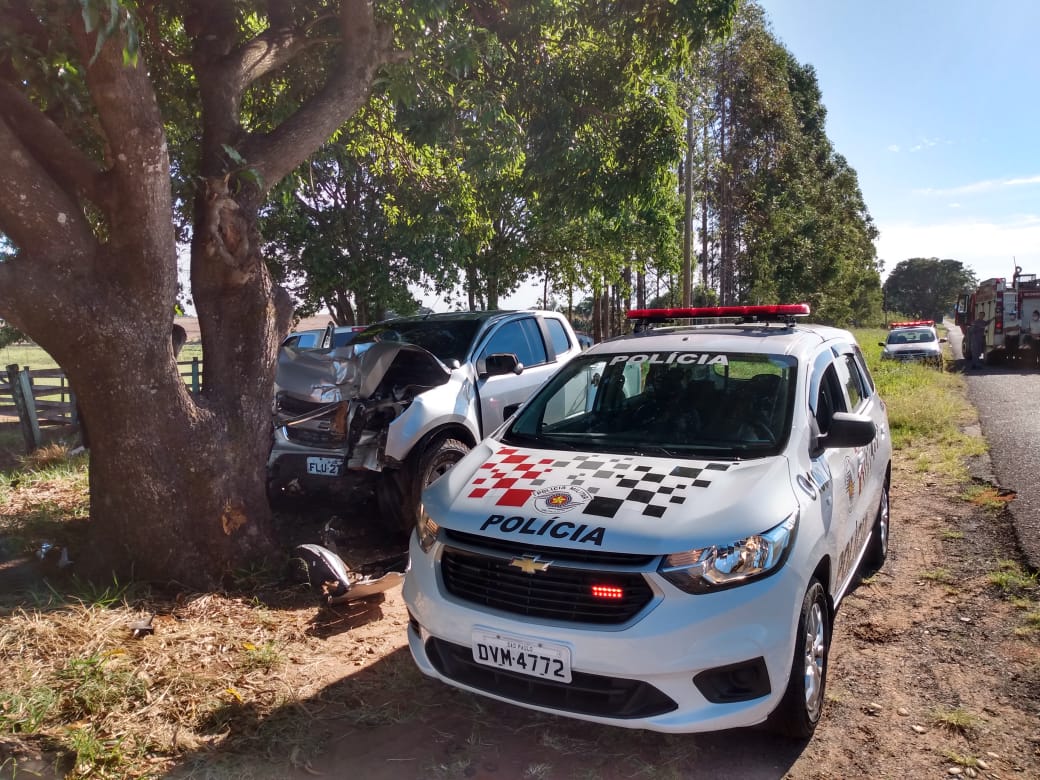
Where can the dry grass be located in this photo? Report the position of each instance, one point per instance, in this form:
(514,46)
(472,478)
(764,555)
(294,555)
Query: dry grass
(213,663)
(80,687)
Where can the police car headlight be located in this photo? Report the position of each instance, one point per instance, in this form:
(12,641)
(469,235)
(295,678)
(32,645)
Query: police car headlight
(427,532)
(725,566)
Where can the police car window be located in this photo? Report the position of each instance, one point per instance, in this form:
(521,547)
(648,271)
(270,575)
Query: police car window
(575,397)
(864,372)
(522,338)
(557,335)
(829,399)
(848,373)
(670,404)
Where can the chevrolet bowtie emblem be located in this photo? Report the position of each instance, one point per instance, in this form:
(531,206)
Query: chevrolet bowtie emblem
(530,565)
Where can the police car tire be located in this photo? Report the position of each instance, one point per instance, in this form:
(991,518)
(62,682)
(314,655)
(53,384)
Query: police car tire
(877,547)
(794,717)
(400,490)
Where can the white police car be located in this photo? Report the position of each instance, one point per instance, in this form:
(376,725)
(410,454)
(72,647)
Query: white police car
(914,341)
(660,537)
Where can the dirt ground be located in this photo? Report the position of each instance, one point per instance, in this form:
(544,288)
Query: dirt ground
(934,673)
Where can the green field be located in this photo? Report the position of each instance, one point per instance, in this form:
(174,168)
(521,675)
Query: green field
(26,355)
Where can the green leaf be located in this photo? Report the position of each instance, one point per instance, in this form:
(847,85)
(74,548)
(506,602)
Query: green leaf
(253,175)
(90,15)
(236,158)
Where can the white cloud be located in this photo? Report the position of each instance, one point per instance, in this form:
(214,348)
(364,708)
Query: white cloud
(953,205)
(893,147)
(986,247)
(990,185)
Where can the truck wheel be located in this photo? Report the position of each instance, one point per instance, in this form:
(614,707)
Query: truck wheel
(399,492)
(800,709)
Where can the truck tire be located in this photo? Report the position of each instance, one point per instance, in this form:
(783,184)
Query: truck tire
(399,491)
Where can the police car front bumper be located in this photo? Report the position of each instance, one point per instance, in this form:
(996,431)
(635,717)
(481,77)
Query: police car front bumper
(685,663)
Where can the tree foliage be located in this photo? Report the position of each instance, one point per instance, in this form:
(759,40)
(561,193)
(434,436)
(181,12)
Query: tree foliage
(926,287)
(128,126)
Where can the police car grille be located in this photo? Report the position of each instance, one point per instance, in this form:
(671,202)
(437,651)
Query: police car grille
(558,593)
(612,697)
(596,557)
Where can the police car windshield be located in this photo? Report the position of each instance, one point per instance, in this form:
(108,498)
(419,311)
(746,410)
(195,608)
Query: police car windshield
(912,336)
(680,404)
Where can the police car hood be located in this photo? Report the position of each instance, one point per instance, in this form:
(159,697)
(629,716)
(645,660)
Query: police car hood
(610,503)
(355,371)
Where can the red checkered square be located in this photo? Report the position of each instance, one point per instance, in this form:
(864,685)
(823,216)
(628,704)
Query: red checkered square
(515,497)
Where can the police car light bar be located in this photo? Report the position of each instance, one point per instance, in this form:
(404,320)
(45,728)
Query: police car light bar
(911,324)
(782,311)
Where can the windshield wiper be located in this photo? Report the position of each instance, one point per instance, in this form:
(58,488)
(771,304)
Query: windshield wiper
(537,442)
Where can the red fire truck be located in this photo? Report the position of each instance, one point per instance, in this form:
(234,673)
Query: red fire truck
(1008,312)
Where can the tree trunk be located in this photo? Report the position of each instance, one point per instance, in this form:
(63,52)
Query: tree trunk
(687,258)
(207,480)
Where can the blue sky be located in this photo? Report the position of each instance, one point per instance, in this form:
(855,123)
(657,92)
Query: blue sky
(937,107)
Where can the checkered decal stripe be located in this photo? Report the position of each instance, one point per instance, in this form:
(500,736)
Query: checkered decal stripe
(510,478)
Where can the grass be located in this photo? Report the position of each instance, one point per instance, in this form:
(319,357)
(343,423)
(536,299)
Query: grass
(988,497)
(1011,579)
(927,411)
(961,760)
(26,355)
(956,720)
(936,575)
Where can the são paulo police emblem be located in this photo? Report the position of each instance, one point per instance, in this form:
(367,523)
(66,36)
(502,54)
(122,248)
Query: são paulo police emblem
(553,500)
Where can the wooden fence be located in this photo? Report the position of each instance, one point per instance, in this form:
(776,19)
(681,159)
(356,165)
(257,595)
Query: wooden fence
(43,397)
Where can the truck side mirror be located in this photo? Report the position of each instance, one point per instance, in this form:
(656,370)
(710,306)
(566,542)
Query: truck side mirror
(499,364)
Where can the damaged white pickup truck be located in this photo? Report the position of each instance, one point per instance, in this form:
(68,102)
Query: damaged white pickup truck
(406,400)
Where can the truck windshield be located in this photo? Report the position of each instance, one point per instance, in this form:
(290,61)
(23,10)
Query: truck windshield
(446,339)
(680,404)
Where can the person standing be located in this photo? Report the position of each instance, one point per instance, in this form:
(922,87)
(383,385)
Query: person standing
(977,340)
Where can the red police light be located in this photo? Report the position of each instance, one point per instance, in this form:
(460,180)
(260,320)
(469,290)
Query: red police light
(608,592)
(912,324)
(692,312)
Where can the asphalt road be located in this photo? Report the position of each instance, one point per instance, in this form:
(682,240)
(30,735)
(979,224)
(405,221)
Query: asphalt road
(1008,402)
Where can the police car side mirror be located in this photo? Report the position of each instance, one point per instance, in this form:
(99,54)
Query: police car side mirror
(848,430)
(881,343)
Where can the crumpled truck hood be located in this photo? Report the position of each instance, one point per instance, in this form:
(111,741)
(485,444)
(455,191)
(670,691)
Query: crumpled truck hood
(328,376)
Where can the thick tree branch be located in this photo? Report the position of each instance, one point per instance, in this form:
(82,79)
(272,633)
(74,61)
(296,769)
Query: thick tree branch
(140,168)
(365,49)
(36,213)
(264,54)
(65,162)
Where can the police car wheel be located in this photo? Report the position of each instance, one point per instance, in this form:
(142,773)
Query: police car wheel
(799,710)
(877,548)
